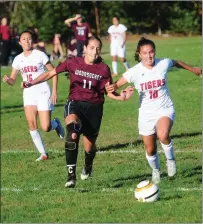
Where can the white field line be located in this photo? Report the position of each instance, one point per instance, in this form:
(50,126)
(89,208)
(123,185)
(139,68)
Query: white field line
(102,190)
(99,152)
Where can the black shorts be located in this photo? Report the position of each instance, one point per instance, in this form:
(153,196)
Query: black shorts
(79,46)
(90,115)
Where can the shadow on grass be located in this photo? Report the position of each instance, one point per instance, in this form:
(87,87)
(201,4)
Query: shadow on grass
(139,142)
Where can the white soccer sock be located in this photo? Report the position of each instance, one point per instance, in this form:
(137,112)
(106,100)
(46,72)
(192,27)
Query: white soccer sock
(36,138)
(153,161)
(126,65)
(54,125)
(168,150)
(114,67)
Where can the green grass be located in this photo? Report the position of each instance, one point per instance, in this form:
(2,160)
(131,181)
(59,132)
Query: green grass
(34,192)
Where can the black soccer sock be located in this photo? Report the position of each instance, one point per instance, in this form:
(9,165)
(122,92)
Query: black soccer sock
(89,157)
(71,148)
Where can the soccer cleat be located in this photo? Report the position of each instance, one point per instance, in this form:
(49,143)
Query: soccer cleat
(86,172)
(42,157)
(114,74)
(171,167)
(155,176)
(71,180)
(59,129)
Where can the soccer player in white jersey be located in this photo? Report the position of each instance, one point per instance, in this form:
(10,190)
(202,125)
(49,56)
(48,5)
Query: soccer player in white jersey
(156,112)
(117,33)
(38,99)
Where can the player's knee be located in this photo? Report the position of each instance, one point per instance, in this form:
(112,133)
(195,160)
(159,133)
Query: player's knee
(163,136)
(46,128)
(72,136)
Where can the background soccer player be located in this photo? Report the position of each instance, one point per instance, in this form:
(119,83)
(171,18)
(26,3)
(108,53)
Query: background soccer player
(38,99)
(84,107)
(156,112)
(117,34)
(82,32)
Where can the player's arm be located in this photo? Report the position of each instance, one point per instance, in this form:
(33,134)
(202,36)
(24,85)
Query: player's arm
(68,21)
(124,94)
(89,30)
(114,86)
(12,79)
(50,67)
(179,64)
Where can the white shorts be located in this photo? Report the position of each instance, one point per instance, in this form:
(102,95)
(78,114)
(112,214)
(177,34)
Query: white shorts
(147,124)
(41,99)
(117,50)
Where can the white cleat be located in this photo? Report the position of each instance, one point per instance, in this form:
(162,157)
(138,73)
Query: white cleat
(171,167)
(59,129)
(86,173)
(156,176)
(42,157)
(70,184)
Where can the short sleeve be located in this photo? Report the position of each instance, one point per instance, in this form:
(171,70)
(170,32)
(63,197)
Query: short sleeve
(62,67)
(128,75)
(15,63)
(124,28)
(109,30)
(45,58)
(168,63)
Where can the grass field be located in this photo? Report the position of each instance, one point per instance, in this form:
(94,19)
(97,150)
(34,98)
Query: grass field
(34,192)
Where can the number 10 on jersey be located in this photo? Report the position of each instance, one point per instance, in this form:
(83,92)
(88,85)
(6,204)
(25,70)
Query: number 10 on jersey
(87,84)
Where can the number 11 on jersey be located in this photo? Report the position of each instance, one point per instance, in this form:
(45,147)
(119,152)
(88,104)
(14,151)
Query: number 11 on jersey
(85,84)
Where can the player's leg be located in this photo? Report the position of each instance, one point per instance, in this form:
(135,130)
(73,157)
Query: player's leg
(90,152)
(121,54)
(152,156)
(91,125)
(44,106)
(163,127)
(80,46)
(148,132)
(31,116)
(73,131)
(114,59)
(73,127)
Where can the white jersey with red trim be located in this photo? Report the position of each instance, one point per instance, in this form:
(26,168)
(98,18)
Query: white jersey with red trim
(151,85)
(116,33)
(30,68)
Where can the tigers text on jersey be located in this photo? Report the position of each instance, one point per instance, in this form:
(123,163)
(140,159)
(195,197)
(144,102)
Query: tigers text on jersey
(117,34)
(87,82)
(30,68)
(151,85)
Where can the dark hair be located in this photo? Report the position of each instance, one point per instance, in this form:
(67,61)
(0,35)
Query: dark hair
(93,38)
(115,16)
(99,59)
(26,31)
(143,41)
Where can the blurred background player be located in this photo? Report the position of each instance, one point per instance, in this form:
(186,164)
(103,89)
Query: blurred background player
(57,47)
(156,112)
(71,49)
(5,36)
(84,108)
(82,32)
(38,99)
(117,34)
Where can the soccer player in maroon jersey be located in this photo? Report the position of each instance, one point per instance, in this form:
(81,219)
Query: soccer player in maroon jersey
(84,107)
(82,32)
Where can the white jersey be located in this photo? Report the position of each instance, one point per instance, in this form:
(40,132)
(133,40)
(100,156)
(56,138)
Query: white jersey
(116,33)
(151,85)
(31,67)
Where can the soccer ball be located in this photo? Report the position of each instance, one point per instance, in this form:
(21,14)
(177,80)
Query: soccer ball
(147,192)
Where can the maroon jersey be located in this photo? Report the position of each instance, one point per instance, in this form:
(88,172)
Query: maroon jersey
(87,82)
(81,31)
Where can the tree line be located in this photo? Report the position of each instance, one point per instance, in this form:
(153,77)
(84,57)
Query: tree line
(156,17)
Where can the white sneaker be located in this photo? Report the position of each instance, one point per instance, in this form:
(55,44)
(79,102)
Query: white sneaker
(42,157)
(70,183)
(86,173)
(59,129)
(171,167)
(156,176)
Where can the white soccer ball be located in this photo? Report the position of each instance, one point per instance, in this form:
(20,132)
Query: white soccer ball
(147,191)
